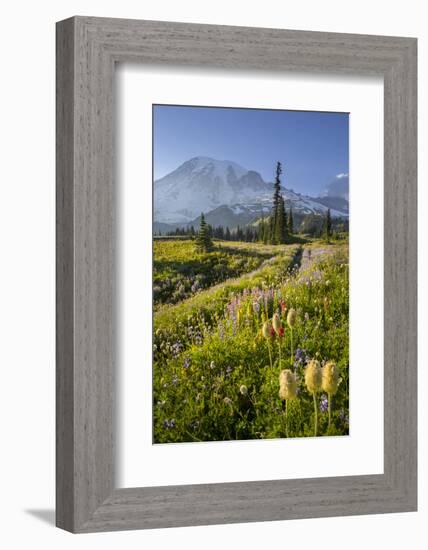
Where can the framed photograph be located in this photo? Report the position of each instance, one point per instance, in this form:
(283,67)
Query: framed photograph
(236,274)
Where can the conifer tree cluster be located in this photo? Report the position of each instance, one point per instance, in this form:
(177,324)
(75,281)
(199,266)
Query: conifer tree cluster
(328,226)
(247,233)
(290,222)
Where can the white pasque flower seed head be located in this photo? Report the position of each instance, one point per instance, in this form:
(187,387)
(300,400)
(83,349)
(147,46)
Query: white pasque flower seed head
(313,376)
(266,329)
(287,385)
(276,322)
(291,318)
(330,377)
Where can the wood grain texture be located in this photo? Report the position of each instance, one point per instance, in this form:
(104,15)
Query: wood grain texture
(87,49)
(64,276)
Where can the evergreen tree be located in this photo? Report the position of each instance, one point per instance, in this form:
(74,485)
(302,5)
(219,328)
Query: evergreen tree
(271,229)
(227,234)
(261,231)
(281,230)
(328,225)
(265,233)
(203,239)
(276,219)
(283,213)
(290,222)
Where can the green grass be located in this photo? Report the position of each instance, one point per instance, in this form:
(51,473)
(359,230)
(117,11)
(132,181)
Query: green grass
(180,270)
(209,346)
(206,307)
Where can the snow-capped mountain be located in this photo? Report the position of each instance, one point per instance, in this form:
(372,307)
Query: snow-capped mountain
(226,192)
(202,184)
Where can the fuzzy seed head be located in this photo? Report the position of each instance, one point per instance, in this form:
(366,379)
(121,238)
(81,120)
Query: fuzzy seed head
(291,318)
(313,376)
(266,329)
(330,378)
(287,385)
(243,390)
(276,322)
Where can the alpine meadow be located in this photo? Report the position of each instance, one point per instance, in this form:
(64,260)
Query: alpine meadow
(250,274)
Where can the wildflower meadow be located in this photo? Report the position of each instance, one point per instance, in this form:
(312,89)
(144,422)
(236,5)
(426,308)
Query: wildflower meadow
(250,340)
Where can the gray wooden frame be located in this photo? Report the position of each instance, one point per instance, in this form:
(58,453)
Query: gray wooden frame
(87,50)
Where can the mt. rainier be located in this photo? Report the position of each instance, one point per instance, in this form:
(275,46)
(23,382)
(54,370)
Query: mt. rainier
(204,184)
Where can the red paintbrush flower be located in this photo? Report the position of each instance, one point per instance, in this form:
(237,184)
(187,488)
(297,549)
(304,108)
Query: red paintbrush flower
(272,332)
(281,332)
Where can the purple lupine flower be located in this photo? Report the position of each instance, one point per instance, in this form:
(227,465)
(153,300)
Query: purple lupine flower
(324,404)
(186,362)
(169,423)
(300,356)
(176,348)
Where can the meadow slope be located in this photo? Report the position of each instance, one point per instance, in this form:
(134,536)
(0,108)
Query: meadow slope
(216,371)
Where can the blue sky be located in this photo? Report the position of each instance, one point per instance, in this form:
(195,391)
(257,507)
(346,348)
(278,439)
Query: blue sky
(313,147)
